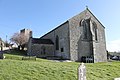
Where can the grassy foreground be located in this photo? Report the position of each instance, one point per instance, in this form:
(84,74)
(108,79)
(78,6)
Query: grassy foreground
(37,70)
(13,68)
(103,71)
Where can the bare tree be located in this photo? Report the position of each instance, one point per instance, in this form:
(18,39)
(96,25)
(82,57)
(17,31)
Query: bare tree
(20,39)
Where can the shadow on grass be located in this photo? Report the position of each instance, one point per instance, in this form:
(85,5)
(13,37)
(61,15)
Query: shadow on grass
(16,52)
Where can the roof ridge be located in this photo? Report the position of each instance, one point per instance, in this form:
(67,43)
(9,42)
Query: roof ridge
(94,16)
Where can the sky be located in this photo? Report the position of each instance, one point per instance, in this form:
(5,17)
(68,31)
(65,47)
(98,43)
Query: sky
(41,16)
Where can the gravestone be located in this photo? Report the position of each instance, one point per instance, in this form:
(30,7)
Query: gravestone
(117,79)
(82,72)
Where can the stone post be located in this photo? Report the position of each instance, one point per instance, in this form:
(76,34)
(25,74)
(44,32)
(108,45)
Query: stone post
(82,72)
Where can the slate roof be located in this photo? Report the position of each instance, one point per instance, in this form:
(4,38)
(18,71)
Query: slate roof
(41,41)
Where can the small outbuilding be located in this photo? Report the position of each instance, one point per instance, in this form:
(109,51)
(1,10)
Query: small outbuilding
(40,47)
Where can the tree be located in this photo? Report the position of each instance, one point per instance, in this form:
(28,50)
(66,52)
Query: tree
(20,40)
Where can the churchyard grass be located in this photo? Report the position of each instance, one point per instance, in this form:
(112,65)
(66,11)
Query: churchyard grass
(16,69)
(37,70)
(103,71)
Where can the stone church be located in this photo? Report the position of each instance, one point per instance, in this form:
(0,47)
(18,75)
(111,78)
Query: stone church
(81,36)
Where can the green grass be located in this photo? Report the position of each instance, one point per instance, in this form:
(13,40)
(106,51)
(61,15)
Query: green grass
(18,55)
(37,70)
(13,68)
(103,71)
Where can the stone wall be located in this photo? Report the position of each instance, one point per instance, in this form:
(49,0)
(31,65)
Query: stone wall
(75,33)
(36,50)
(99,46)
(62,32)
(79,47)
(100,54)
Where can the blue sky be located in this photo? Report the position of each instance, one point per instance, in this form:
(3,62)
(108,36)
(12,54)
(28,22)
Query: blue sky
(42,16)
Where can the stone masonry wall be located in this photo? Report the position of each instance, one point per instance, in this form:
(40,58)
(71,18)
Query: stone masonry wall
(75,33)
(36,50)
(99,47)
(62,32)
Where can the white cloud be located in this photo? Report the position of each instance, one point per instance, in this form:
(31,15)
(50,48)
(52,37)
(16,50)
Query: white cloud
(114,46)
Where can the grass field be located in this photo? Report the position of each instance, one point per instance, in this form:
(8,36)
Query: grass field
(37,70)
(14,68)
(103,71)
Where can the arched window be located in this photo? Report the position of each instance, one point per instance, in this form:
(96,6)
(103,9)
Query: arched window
(57,43)
(95,30)
(85,23)
(85,32)
(80,24)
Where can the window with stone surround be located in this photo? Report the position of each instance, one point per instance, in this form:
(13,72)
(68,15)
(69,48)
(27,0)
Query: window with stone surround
(57,42)
(95,30)
(86,33)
